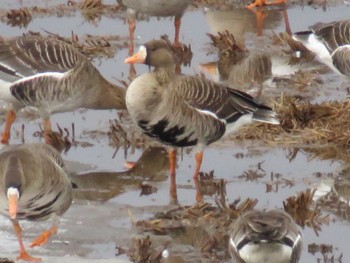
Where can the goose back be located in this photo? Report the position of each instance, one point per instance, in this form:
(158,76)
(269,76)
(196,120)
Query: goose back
(53,76)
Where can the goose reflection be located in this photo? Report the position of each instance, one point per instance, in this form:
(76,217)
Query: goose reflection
(102,186)
(333,194)
(240,21)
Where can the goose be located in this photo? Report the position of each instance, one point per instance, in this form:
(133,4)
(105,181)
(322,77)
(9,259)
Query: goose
(51,76)
(252,69)
(181,110)
(265,237)
(34,187)
(157,8)
(330,42)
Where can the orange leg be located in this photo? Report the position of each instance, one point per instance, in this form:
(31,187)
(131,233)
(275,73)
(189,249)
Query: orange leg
(23,255)
(286,22)
(260,16)
(199,158)
(132,27)
(10,118)
(44,237)
(199,196)
(177,24)
(172,162)
(47,130)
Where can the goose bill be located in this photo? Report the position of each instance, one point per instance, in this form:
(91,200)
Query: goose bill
(13,203)
(138,57)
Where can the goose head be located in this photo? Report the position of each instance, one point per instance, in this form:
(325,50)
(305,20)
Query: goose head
(154,53)
(13,184)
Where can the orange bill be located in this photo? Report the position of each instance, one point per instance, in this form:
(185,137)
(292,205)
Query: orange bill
(136,58)
(13,204)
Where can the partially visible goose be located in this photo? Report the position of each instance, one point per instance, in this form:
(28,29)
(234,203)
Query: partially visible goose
(34,187)
(183,110)
(51,76)
(253,69)
(265,237)
(330,42)
(157,8)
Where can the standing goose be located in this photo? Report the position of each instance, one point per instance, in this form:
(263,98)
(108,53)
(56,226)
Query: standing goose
(265,237)
(34,187)
(51,76)
(183,110)
(331,43)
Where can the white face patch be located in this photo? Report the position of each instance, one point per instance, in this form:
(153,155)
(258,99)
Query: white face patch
(12,191)
(143,51)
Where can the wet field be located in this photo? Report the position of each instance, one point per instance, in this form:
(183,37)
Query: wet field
(107,198)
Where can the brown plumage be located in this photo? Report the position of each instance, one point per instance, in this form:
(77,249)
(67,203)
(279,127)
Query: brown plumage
(264,237)
(34,187)
(51,76)
(183,110)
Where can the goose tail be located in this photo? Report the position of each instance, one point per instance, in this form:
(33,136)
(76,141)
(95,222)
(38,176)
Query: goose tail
(266,115)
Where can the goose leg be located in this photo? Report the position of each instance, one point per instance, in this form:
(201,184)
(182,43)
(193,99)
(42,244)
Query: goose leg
(132,27)
(172,162)
(286,22)
(199,158)
(44,237)
(177,24)
(23,255)
(10,118)
(47,130)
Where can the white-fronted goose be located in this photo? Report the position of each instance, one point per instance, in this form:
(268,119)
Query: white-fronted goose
(330,42)
(265,237)
(157,8)
(34,187)
(183,110)
(51,76)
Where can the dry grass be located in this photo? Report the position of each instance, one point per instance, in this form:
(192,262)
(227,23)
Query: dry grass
(323,129)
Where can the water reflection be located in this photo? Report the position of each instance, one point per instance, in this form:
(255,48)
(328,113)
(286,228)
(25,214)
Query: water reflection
(240,21)
(101,186)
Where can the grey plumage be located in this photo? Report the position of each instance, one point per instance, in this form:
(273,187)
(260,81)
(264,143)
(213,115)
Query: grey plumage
(45,186)
(53,76)
(34,186)
(194,109)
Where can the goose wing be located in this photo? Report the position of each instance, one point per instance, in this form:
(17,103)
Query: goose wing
(225,103)
(30,55)
(334,34)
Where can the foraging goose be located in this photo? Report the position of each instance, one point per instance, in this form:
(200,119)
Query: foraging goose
(330,42)
(51,76)
(34,187)
(183,110)
(265,237)
(157,8)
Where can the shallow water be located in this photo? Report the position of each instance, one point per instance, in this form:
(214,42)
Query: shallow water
(99,218)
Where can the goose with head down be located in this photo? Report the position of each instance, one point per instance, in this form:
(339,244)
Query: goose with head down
(34,187)
(181,110)
(51,76)
(265,237)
